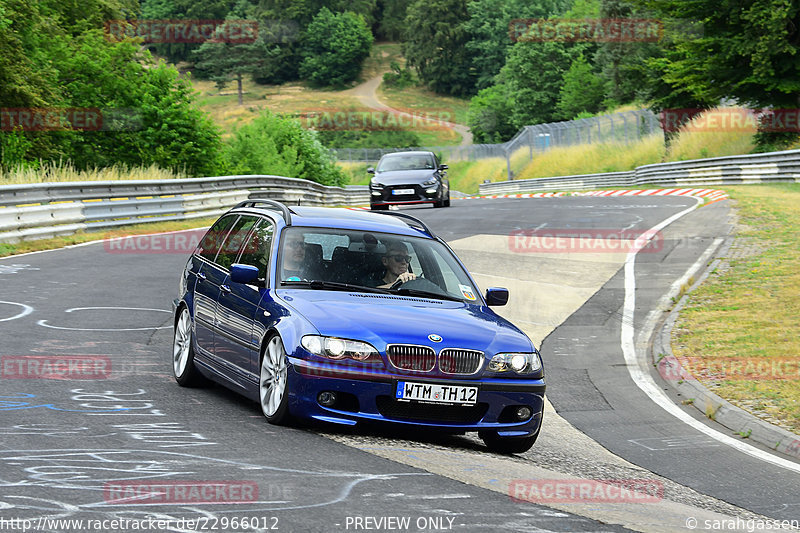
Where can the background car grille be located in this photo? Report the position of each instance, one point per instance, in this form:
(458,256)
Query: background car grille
(459,414)
(455,361)
(411,357)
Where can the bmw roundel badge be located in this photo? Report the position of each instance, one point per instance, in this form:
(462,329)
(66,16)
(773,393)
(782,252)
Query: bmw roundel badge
(434,337)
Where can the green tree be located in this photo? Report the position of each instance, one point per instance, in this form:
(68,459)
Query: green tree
(582,91)
(434,43)
(334,47)
(149,116)
(391,16)
(489,36)
(221,59)
(534,73)
(489,115)
(748,51)
(274,145)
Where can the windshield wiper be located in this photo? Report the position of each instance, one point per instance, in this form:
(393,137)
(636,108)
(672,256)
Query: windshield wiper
(426,294)
(318,284)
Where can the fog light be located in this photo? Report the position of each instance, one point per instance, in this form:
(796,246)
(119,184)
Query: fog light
(327,398)
(431,191)
(523,413)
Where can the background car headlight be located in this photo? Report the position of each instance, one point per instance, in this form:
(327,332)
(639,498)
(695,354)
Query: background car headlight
(520,363)
(376,184)
(336,348)
(431,181)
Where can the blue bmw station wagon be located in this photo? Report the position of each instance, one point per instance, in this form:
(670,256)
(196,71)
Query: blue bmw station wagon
(346,316)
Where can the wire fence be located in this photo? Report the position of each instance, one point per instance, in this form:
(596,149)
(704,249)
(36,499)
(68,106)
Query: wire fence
(623,127)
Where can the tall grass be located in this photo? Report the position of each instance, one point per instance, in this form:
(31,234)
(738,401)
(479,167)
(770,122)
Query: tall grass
(51,172)
(593,158)
(697,140)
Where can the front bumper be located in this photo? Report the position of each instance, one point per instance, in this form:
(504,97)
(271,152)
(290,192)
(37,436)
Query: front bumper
(367,398)
(421,194)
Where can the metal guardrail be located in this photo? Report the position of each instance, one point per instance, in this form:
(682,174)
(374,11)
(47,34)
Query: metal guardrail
(50,209)
(730,170)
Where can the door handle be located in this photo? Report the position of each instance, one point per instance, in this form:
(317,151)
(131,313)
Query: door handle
(201,276)
(224,288)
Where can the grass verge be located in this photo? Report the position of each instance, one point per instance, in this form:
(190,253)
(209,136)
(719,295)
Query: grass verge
(738,331)
(55,172)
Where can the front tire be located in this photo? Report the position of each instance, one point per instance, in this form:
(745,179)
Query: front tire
(507,445)
(273,383)
(183,367)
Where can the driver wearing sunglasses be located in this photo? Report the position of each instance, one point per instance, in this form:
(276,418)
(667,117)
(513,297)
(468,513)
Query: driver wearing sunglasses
(396,263)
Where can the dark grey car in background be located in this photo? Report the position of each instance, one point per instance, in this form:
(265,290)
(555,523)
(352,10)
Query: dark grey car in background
(403,178)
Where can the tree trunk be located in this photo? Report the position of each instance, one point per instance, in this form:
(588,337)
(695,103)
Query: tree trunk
(239,83)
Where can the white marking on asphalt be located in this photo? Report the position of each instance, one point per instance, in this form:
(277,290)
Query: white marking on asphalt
(638,370)
(44,323)
(26,310)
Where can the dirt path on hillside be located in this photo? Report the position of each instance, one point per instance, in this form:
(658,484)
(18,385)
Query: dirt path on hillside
(367,92)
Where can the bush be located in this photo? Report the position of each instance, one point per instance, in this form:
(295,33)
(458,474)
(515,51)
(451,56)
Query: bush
(369,139)
(399,78)
(275,145)
(334,47)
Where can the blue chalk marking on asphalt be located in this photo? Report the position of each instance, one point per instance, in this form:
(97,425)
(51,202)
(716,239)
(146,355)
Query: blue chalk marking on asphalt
(6,405)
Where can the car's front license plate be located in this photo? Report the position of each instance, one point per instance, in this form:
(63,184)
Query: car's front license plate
(399,192)
(434,392)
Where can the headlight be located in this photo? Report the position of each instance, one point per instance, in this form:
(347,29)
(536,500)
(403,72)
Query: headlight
(336,348)
(521,363)
(431,181)
(375,183)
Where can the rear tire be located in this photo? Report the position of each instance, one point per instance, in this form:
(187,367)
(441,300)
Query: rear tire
(183,367)
(507,445)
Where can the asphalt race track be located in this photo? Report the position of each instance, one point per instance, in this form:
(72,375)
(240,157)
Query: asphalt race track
(68,445)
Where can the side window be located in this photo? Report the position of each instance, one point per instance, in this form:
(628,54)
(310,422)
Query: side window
(212,240)
(258,248)
(233,243)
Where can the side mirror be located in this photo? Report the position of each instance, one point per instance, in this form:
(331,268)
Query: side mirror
(245,274)
(496,296)
(370,170)
(443,167)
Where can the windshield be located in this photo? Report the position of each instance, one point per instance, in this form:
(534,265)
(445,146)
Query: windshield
(405,162)
(409,265)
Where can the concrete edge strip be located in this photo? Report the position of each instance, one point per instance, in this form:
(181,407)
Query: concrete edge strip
(638,370)
(711,405)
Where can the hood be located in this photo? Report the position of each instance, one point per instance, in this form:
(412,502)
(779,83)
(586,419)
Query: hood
(387,319)
(402,177)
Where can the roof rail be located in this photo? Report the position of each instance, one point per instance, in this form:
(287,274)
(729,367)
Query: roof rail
(419,223)
(273,204)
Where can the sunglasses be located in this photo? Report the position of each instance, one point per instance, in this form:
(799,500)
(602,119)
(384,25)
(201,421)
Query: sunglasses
(401,258)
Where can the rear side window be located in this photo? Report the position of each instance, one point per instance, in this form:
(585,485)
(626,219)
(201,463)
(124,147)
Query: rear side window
(234,241)
(212,241)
